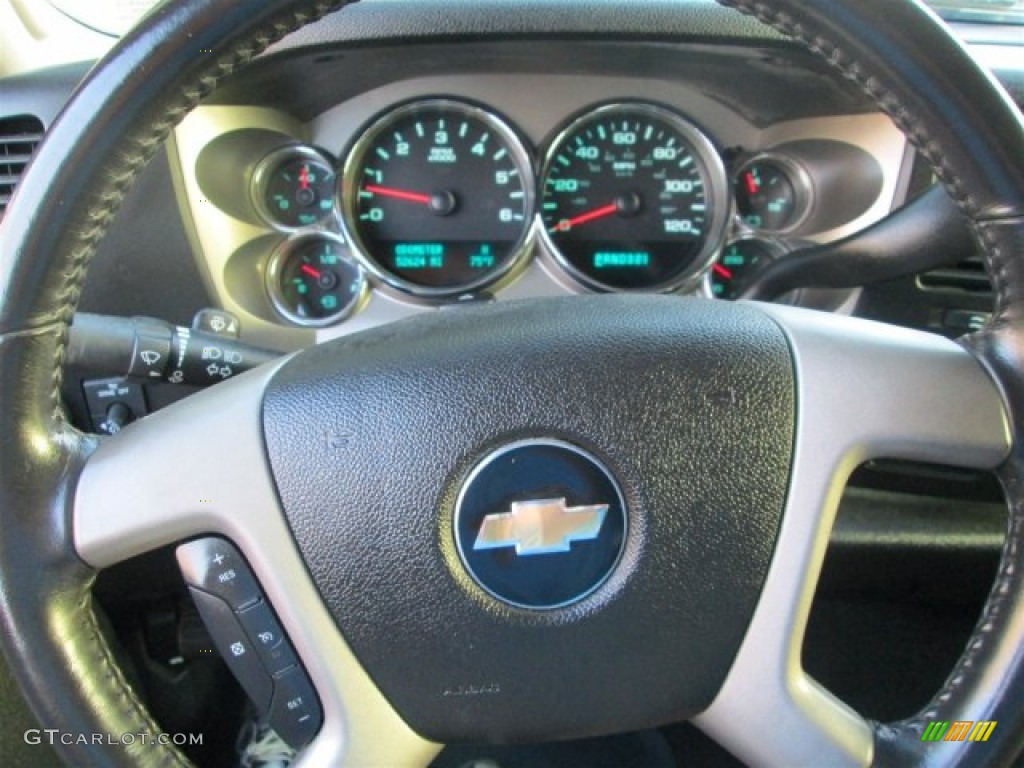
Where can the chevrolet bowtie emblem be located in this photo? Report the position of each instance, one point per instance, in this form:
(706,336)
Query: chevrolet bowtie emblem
(540,527)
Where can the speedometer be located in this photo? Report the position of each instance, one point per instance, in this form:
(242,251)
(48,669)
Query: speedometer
(634,197)
(437,198)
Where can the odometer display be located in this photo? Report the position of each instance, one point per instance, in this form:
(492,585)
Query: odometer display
(633,197)
(438,197)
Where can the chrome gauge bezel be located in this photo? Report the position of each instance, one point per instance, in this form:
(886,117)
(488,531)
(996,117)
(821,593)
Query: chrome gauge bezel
(775,248)
(803,190)
(718,198)
(263,172)
(272,280)
(348,184)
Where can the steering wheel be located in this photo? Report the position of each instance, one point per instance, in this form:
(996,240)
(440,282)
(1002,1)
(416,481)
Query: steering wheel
(349,475)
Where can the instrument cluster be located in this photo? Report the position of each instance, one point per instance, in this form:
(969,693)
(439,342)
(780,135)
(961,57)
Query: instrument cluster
(440,199)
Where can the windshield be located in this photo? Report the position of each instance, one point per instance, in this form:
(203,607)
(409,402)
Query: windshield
(996,11)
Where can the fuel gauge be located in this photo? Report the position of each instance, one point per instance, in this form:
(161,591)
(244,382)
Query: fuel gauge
(313,280)
(773,193)
(293,187)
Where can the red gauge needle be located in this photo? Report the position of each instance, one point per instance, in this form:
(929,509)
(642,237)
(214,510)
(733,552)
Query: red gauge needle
(315,273)
(398,194)
(721,271)
(566,224)
(752,185)
(304,177)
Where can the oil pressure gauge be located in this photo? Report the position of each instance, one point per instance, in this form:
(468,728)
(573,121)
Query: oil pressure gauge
(293,187)
(313,280)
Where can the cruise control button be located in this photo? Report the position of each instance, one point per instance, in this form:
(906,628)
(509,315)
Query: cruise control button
(267,637)
(234,645)
(295,712)
(215,566)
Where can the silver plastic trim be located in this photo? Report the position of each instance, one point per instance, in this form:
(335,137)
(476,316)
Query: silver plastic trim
(261,179)
(872,132)
(864,390)
(273,280)
(718,198)
(199,467)
(348,185)
(803,190)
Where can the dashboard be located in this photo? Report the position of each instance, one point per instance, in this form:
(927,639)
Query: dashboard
(428,191)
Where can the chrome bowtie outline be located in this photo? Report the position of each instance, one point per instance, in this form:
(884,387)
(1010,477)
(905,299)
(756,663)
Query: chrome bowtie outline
(540,527)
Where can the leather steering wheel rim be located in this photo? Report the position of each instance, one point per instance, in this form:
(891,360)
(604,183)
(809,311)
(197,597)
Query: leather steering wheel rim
(953,112)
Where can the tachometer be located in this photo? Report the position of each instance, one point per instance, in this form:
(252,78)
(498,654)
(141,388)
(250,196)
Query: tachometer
(437,198)
(633,197)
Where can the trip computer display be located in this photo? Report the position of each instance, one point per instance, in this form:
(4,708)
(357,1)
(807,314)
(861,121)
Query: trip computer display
(633,197)
(437,198)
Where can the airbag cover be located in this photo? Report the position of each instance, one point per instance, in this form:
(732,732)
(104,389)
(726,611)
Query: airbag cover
(688,404)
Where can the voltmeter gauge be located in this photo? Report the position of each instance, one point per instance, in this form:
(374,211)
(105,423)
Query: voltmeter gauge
(293,187)
(633,198)
(773,193)
(313,280)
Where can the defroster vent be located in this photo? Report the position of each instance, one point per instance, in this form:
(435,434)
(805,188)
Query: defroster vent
(19,136)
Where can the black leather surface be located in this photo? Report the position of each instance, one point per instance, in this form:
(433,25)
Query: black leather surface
(19,728)
(62,208)
(926,233)
(45,603)
(956,114)
(974,138)
(93,154)
(437,19)
(766,84)
(964,125)
(691,406)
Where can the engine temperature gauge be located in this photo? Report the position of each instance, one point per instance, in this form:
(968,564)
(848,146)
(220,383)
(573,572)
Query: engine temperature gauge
(313,280)
(293,187)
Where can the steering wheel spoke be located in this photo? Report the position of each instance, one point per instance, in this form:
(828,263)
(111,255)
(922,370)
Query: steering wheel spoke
(198,468)
(864,391)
